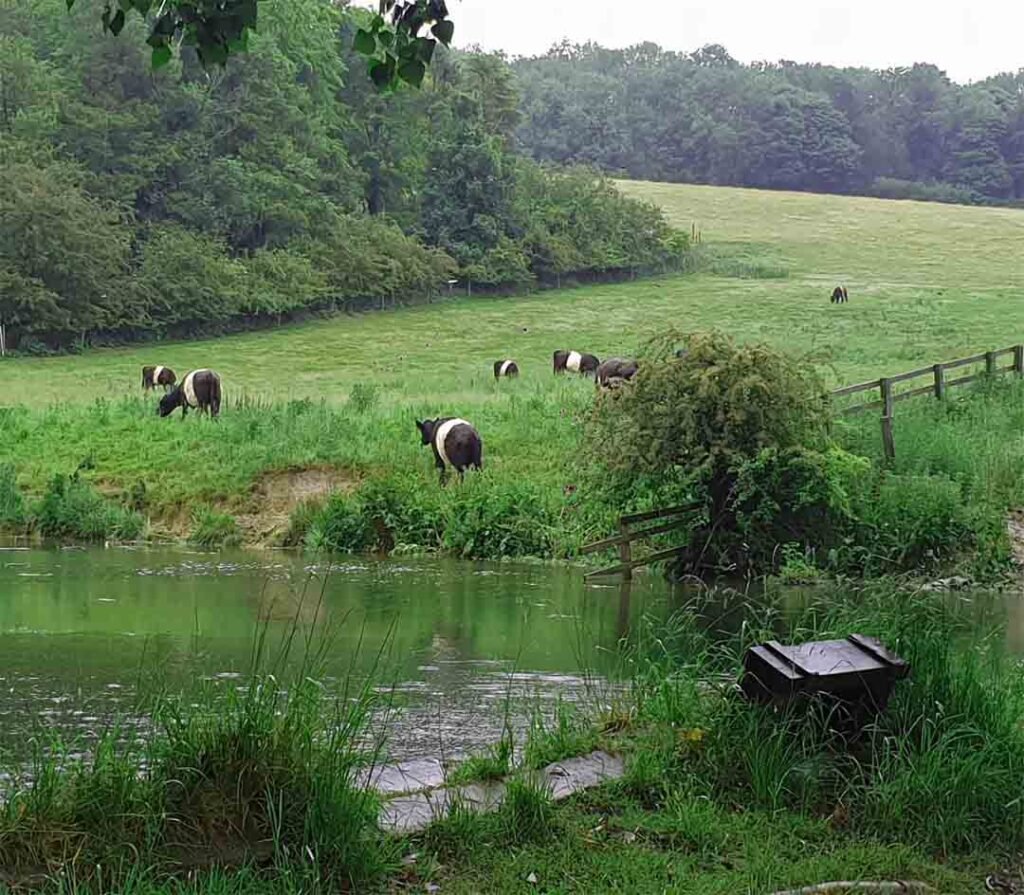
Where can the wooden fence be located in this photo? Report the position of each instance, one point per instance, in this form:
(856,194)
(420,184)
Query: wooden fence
(888,394)
(628,535)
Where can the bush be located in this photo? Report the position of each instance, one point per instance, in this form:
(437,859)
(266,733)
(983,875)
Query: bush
(917,521)
(796,496)
(894,188)
(12,504)
(213,529)
(691,423)
(70,508)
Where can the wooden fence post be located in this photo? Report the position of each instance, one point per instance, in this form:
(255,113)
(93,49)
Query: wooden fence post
(888,445)
(1018,359)
(990,363)
(940,381)
(625,551)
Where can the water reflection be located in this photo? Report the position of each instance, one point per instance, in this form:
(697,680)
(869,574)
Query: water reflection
(84,632)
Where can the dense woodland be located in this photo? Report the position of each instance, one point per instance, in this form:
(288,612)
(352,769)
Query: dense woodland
(702,117)
(138,203)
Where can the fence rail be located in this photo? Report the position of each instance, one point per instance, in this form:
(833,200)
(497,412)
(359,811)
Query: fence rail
(628,535)
(939,386)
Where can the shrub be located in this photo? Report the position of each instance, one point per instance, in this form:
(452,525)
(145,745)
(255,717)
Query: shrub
(213,529)
(70,508)
(693,422)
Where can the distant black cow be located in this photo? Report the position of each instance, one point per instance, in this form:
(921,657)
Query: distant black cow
(199,390)
(575,362)
(154,376)
(839,295)
(454,442)
(505,368)
(614,371)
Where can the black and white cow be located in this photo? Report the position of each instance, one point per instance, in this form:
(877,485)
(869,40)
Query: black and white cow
(839,295)
(154,376)
(505,368)
(614,371)
(455,443)
(199,390)
(575,362)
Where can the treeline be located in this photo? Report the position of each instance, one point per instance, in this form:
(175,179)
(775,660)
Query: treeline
(140,204)
(702,117)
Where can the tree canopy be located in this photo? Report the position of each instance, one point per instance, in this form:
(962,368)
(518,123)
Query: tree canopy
(138,203)
(702,117)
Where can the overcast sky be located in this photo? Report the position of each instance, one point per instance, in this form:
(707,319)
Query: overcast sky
(969,40)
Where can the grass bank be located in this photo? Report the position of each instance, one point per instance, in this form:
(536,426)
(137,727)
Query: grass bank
(328,408)
(354,477)
(719,796)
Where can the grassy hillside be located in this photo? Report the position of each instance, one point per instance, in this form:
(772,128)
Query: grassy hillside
(926,282)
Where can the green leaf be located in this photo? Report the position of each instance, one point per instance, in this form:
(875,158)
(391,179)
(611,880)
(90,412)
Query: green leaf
(364,43)
(383,73)
(425,49)
(412,71)
(444,31)
(161,56)
(117,23)
(386,37)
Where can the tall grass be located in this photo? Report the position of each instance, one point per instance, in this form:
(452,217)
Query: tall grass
(262,775)
(939,769)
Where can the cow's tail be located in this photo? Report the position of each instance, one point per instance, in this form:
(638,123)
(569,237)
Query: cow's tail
(478,453)
(215,396)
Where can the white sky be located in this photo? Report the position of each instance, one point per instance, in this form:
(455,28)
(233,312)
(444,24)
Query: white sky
(969,40)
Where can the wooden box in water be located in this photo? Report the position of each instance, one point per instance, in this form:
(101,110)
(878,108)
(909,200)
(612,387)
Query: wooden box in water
(857,670)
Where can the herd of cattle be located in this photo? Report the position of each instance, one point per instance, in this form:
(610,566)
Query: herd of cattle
(454,442)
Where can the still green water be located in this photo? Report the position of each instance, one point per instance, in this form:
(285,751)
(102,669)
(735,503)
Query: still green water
(84,632)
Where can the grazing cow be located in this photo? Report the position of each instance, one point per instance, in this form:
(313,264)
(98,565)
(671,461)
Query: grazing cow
(505,368)
(199,390)
(839,295)
(454,442)
(154,376)
(615,371)
(586,364)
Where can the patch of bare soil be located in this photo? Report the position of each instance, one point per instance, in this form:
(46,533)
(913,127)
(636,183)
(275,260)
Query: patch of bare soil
(264,517)
(1015,531)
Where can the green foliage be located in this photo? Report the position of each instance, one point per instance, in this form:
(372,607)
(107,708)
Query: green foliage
(12,504)
(691,423)
(932,770)
(653,114)
(395,48)
(71,509)
(213,529)
(138,204)
(215,30)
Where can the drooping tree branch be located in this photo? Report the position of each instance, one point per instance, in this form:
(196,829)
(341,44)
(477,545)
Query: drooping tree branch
(398,42)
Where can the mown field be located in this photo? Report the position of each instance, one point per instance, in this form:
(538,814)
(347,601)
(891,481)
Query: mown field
(927,282)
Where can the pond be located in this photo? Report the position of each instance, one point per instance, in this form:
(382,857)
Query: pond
(84,632)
